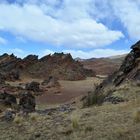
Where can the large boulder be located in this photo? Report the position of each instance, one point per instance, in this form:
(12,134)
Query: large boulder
(27,102)
(33,86)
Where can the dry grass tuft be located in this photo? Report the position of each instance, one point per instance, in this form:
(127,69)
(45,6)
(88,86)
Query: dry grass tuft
(34,116)
(75,121)
(18,119)
(137,116)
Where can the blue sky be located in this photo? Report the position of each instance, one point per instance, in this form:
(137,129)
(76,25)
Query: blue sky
(84,28)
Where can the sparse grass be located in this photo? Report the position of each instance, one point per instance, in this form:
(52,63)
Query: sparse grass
(18,119)
(105,122)
(136,116)
(88,129)
(34,116)
(93,99)
(75,120)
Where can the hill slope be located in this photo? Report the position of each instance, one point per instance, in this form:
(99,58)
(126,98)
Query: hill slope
(103,66)
(128,74)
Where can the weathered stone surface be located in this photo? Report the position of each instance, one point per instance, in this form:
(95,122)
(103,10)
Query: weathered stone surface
(7,99)
(114,100)
(51,82)
(2,79)
(27,102)
(33,86)
(59,65)
(8,115)
(128,71)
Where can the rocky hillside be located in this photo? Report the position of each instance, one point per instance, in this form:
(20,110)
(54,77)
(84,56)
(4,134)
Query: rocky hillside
(128,73)
(59,65)
(103,66)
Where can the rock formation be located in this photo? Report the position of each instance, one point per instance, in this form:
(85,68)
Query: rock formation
(128,71)
(33,86)
(51,82)
(27,102)
(59,65)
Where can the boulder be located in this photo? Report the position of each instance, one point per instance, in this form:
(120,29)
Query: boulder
(7,99)
(8,115)
(27,102)
(33,86)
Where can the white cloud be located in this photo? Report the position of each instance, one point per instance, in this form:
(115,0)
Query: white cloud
(96,53)
(3,41)
(129,12)
(21,39)
(71,27)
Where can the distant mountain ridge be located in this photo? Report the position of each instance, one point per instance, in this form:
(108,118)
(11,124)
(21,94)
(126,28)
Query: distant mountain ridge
(103,66)
(59,65)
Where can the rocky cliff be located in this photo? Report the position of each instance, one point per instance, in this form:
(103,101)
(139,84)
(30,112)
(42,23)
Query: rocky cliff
(129,71)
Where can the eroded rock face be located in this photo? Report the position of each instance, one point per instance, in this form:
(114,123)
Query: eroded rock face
(9,67)
(128,71)
(27,102)
(59,65)
(2,79)
(51,82)
(130,68)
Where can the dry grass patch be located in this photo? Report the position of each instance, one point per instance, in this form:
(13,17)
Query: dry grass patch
(136,116)
(34,116)
(75,118)
(18,119)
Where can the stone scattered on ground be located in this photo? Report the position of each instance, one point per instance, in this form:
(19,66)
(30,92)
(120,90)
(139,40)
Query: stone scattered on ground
(114,100)
(67,108)
(8,115)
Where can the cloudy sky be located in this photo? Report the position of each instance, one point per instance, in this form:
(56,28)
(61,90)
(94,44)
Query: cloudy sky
(84,28)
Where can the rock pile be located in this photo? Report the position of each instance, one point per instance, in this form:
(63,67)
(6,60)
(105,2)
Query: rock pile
(26,102)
